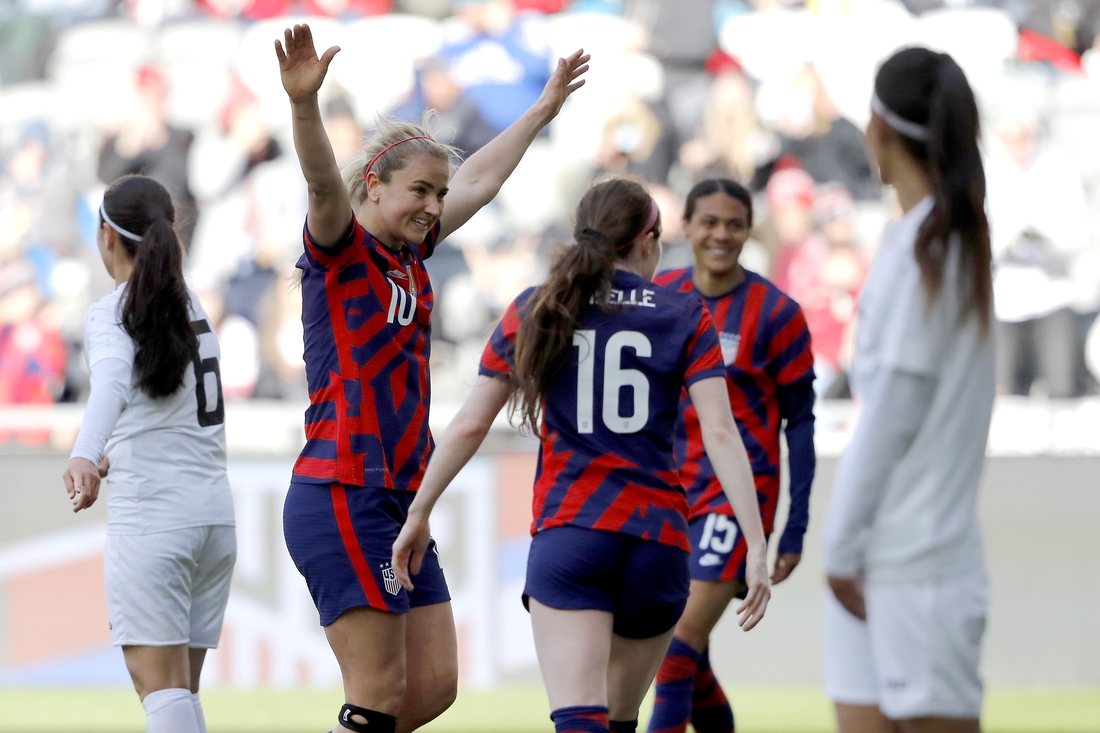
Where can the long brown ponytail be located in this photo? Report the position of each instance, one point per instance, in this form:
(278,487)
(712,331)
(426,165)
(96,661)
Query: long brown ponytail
(931,90)
(156,308)
(609,217)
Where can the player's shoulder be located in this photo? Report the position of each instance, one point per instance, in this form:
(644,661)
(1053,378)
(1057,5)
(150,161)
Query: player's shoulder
(778,305)
(677,279)
(198,313)
(106,312)
(520,302)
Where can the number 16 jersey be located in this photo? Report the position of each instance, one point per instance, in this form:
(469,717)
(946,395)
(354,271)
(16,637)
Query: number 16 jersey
(168,457)
(606,458)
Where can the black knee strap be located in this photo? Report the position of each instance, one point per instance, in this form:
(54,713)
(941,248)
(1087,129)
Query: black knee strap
(376,722)
(624,726)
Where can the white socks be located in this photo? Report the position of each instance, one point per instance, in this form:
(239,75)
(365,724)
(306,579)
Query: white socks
(171,711)
(198,712)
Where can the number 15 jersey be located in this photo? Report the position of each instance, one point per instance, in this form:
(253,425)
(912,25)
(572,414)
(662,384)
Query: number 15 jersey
(606,458)
(167,455)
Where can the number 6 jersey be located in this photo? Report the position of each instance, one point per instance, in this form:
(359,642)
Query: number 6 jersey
(606,458)
(167,455)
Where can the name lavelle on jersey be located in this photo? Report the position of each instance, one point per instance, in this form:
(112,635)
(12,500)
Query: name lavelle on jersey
(628,297)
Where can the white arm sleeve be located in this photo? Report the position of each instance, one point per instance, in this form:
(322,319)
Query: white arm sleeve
(892,416)
(110,389)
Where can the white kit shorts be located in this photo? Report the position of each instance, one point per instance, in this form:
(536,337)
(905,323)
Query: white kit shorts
(917,654)
(169,588)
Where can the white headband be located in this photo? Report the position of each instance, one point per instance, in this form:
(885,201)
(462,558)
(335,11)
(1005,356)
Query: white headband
(902,125)
(116,227)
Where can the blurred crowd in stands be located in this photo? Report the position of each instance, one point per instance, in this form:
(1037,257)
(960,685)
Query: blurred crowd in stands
(772,93)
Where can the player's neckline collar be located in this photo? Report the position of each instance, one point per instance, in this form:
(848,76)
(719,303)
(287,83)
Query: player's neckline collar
(749,275)
(377,243)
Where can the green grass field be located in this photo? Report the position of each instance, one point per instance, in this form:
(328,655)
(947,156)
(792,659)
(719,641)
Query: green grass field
(505,710)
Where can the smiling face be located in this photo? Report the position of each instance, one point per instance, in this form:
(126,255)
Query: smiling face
(411,202)
(718,229)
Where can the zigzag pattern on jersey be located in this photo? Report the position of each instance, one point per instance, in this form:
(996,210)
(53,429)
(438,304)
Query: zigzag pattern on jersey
(620,482)
(609,493)
(367,424)
(773,351)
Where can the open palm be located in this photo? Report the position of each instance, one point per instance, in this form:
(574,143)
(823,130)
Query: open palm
(302,72)
(564,81)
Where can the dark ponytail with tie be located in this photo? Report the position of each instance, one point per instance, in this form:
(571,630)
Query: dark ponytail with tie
(156,308)
(609,217)
(931,90)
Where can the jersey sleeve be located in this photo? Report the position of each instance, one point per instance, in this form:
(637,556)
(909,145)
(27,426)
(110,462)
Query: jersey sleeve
(498,359)
(704,354)
(789,354)
(427,247)
(104,336)
(337,254)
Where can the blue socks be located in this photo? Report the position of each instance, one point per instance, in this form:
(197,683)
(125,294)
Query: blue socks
(675,684)
(711,711)
(580,719)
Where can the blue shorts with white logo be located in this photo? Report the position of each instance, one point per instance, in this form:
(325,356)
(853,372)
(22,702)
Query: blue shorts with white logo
(341,539)
(718,550)
(643,583)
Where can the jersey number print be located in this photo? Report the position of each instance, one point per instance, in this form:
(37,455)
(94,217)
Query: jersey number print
(204,367)
(614,378)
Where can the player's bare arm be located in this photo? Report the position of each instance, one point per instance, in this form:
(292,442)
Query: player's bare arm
(459,443)
(479,179)
(302,72)
(731,465)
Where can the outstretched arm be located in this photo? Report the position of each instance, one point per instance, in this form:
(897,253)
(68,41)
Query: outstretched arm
(479,179)
(458,444)
(727,455)
(302,73)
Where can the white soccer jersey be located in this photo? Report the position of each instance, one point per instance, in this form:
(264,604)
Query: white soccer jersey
(926,525)
(167,456)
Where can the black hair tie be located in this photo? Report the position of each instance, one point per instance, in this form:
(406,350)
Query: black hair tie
(595,235)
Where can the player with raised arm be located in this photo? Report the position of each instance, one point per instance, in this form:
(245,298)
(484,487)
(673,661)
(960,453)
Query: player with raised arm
(155,421)
(766,351)
(903,550)
(366,308)
(596,358)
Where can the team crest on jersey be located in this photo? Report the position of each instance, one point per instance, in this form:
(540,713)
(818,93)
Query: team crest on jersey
(730,343)
(399,274)
(393,586)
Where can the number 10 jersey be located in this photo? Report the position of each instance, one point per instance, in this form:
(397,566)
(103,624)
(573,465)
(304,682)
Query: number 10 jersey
(168,456)
(606,459)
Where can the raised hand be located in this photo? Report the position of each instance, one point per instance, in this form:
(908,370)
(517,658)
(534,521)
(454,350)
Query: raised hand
(302,72)
(563,82)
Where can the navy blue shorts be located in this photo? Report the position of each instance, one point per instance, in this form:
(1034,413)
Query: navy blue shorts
(718,550)
(341,539)
(643,583)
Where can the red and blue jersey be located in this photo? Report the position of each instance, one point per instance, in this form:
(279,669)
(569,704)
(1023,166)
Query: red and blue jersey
(366,311)
(606,459)
(766,351)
